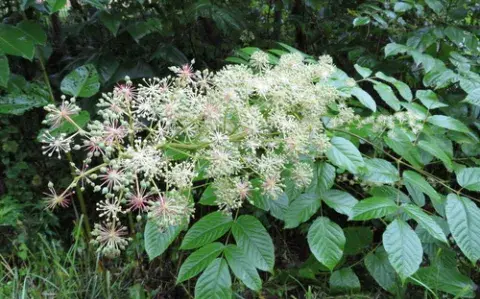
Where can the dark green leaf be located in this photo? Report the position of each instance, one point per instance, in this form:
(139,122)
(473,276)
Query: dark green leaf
(242,267)
(215,282)
(326,241)
(199,260)
(344,281)
(358,238)
(301,209)
(206,230)
(4,71)
(373,208)
(82,82)
(157,241)
(13,42)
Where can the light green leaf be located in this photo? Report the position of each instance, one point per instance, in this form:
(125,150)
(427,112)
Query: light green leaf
(344,281)
(344,154)
(208,229)
(255,242)
(323,178)
(56,5)
(111,20)
(473,97)
(4,71)
(387,95)
(208,197)
(448,122)
(301,209)
(436,151)
(67,128)
(380,171)
(373,208)
(469,178)
(13,42)
(429,99)
(402,88)
(157,241)
(32,96)
(342,202)
(435,5)
(326,241)
(82,82)
(381,270)
(419,182)
(215,282)
(363,71)
(389,192)
(425,221)
(402,7)
(242,267)
(463,217)
(199,260)
(358,238)
(364,98)
(394,49)
(403,247)
(360,21)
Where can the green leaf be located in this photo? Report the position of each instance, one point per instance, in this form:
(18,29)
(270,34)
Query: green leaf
(32,96)
(82,82)
(199,260)
(323,178)
(363,71)
(13,42)
(4,71)
(111,20)
(448,122)
(157,241)
(360,21)
(364,98)
(342,202)
(56,5)
(403,247)
(381,270)
(402,7)
(67,128)
(373,208)
(425,221)
(436,151)
(469,178)
(208,197)
(429,99)
(387,95)
(402,88)
(380,171)
(242,267)
(344,154)
(33,31)
(389,192)
(435,5)
(358,238)
(255,242)
(301,209)
(394,49)
(419,182)
(463,217)
(344,281)
(206,230)
(473,97)
(215,282)
(326,241)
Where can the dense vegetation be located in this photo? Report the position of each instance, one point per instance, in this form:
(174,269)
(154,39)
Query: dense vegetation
(239,149)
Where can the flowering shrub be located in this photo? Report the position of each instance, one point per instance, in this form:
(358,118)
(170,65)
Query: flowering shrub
(276,133)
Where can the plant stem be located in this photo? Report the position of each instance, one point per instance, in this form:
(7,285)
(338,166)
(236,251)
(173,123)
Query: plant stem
(45,74)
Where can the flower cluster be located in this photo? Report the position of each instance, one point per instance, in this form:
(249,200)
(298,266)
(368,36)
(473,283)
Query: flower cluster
(153,141)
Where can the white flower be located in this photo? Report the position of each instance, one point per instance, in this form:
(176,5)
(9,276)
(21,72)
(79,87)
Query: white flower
(56,144)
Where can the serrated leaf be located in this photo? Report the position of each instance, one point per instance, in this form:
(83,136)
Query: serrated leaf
(358,238)
(111,20)
(436,151)
(387,95)
(342,202)
(344,281)
(463,217)
(364,98)
(33,31)
(473,97)
(381,270)
(206,230)
(344,154)
(157,241)
(429,99)
(199,260)
(424,220)
(448,122)
(394,49)
(13,42)
(380,171)
(403,247)
(389,192)
(255,242)
(4,71)
(301,209)
(82,82)
(373,208)
(402,87)
(360,21)
(215,282)
(323,178)
(469,178)
(363,71)
(242,267)
(208,197)
(326,241)
(419,182)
